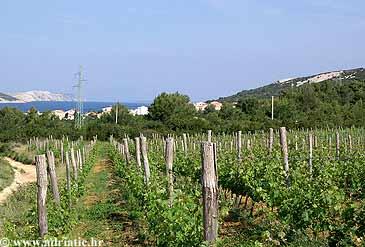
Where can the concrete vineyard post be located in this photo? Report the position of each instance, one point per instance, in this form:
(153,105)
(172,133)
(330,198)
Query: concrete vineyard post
(42,183)
(210,191)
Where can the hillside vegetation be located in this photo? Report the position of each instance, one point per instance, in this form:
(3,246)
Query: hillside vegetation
(277,88)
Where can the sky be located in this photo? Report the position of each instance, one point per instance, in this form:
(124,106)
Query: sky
(132,50)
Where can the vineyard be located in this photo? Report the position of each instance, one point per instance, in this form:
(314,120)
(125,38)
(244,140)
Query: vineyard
(282,187)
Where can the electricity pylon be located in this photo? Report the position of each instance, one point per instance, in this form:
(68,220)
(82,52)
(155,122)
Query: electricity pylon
(79,105)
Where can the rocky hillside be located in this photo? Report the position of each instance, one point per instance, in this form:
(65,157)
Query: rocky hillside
(276,88)
(7,98)
(41,96)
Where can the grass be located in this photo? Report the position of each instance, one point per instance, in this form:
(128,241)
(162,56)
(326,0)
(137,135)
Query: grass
(21,154)
(6,174)
(18,152)
(16,212)
(102,212)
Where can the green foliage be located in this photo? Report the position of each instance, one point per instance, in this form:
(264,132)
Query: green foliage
(165,106)
(6,174)
(178,225)
(61,219)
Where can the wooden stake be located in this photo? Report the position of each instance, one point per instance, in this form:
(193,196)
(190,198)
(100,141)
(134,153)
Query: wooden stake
(42,183)
(239,145)
(310,140)
(74,165)
(146,165)
(185,142)
(53,177)
(138,152)
(68,177)
(209,135)
(169,157)
(210,191)
(271,140)
(126,150)
(337,145)
(284,149)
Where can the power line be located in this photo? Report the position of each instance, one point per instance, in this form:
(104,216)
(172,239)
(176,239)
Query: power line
(79,105)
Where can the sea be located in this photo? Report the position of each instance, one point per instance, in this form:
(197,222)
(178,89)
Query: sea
(43,106)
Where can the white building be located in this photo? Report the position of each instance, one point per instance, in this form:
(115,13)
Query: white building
(217,105)
(70,114)
(59,113)
(200,106)
(140,111)
(107,109)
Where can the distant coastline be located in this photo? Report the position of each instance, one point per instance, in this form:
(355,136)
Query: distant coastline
(43,106)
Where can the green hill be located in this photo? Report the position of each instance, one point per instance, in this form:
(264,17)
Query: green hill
(275,89)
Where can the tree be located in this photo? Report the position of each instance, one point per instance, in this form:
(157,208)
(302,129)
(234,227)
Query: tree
(249,105)
(165,106)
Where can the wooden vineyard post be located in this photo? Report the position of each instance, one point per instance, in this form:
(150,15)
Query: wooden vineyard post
(337,145)
(169,162)
(62,154)
(310,165)
(271,140)
(146,165)
(42,183)
(210,191)
(138,152)
(284,149)
(68,177)
(83,155)
(350,143)
(74,165)
(296,143)
(80,159)
(185,142)
(53,177)
(209,135)
(126,150)
(239,145)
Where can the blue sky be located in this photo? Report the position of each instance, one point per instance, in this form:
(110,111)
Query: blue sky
(132,49)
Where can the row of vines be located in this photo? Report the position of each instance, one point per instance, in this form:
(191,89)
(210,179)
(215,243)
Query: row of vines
(318,198)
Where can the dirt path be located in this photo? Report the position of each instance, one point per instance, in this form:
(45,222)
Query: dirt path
(23,174)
